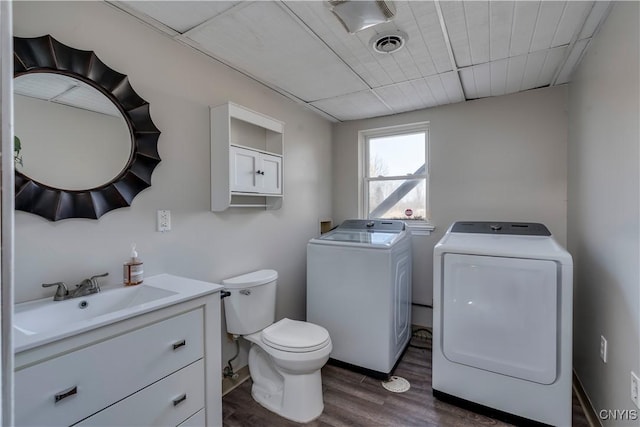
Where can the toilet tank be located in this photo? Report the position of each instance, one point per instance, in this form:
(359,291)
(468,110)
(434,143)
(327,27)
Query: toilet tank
(251,306)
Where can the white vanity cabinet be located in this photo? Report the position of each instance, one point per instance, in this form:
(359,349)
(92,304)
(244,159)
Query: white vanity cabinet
(246,159)
(160,368)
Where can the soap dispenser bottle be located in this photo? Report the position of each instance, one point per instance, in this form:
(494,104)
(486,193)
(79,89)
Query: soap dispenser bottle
(133,269)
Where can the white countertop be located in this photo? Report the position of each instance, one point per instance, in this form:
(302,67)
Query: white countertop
(55,320)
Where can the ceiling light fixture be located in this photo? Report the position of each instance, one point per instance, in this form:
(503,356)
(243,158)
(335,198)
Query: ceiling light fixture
(359,14)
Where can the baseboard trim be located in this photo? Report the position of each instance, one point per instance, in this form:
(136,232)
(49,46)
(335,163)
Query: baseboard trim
(587,407)
(228,384)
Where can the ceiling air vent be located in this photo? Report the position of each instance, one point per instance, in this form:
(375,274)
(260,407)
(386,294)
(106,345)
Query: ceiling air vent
(388,42)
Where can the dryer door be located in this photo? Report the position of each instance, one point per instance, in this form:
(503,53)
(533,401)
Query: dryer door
(501,315)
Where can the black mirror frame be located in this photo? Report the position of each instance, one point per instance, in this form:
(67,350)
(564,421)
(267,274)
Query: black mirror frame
(47,55)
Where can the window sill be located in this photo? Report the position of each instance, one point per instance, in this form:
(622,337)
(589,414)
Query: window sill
(420,228)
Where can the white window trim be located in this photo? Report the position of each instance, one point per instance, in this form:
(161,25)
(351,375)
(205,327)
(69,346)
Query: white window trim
(416,226)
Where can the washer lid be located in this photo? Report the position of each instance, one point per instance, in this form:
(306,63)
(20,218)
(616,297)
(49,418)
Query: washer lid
(250,279)
(295,336)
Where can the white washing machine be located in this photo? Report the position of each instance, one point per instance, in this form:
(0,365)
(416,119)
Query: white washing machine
(502,320)
(359,289)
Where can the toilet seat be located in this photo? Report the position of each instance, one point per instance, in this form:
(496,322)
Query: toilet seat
(295,336)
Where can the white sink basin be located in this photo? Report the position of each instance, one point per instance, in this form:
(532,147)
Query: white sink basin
(42,321)
(49,315)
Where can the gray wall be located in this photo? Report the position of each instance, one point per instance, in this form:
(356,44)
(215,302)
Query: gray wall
(180,85)
(604,209)
(496,159)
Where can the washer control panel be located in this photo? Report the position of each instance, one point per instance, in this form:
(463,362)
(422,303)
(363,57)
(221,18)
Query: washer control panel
(497,227)
(389,226)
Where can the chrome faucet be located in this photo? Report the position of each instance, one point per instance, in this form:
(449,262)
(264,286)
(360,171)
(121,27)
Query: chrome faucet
(86,287)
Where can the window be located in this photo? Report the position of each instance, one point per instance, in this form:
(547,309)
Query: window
(395,178)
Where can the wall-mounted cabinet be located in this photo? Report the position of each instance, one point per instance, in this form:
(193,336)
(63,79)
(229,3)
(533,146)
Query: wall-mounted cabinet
(246,159)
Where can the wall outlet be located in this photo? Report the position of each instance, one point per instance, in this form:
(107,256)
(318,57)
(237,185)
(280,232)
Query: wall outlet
(635,389)
(603,348)
(164,220)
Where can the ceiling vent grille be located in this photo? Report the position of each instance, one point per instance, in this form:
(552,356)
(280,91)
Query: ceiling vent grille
(389,42)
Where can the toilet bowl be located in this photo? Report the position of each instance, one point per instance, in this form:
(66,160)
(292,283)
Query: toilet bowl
(285,357)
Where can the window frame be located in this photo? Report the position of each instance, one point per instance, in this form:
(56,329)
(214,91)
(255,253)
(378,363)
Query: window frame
(364,137)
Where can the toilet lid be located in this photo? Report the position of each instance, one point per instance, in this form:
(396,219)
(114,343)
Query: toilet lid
(295,336)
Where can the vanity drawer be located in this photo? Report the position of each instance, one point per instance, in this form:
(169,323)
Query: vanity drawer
(67,389)
(165,403)
(196,420)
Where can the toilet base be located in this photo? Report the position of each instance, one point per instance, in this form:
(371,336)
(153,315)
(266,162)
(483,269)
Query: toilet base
(296,397)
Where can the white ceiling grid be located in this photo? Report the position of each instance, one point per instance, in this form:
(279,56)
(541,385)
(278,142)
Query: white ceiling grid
(299,49)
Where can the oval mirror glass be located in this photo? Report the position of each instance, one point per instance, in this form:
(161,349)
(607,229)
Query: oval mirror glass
(72,136)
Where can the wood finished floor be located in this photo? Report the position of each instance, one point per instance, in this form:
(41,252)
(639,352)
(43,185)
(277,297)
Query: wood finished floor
(352,399)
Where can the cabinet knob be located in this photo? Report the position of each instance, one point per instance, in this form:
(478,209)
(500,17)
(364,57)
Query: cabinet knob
(259,172)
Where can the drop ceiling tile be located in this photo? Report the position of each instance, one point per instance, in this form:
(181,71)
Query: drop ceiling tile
(574,16)
(437,89)
(515,73)
(353,106)
(349,47)
(428,23)
(181,16)
(477,80)
(453,86)
(511,75)
(501,19)
(400,66)
(455,21)
(572,61)
(407,96)
(598,13)
(524,21)
(286,55)
(532,70)
(499,77)
(477,13)
(468,83)
(425,52)
(482,77)
(552,62)
(548,20)
(415,45)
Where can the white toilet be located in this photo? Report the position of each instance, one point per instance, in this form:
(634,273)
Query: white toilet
(286,356)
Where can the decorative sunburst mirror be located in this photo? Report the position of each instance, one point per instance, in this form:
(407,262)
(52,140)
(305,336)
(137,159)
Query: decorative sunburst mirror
(47,57)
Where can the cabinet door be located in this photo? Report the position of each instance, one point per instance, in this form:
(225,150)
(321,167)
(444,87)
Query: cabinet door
(243,170)
(270,174)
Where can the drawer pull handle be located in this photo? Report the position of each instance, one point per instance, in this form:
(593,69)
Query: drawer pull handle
(179,344)
(63,395)
(178,400)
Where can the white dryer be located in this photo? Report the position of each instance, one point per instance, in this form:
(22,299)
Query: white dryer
(359,289)
(502,320)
